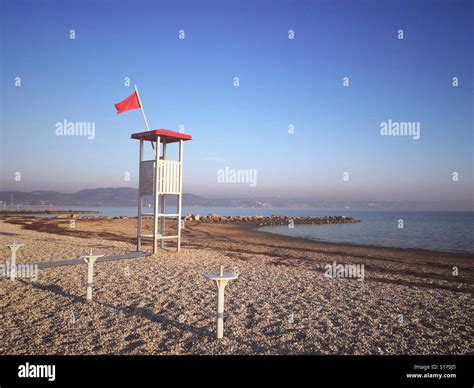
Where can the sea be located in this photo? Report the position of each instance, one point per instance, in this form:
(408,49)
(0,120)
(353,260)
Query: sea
(434,230)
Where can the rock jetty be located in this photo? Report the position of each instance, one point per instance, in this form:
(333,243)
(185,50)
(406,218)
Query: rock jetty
(269,220)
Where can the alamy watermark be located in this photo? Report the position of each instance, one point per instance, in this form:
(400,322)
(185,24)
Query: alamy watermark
(401,128)
(335,270)
(23,271)
(75,128)
(37,371)
(229,175)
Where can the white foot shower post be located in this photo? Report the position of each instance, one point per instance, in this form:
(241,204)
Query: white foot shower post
(13,248)
(221,280)
(90,259)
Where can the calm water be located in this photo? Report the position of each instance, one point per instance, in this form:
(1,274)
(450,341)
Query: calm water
(446,231)
(450,231)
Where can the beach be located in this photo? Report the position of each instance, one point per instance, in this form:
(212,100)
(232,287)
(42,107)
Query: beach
(409,301)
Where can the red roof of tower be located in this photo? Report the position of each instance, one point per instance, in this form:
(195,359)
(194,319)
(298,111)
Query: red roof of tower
(165,135)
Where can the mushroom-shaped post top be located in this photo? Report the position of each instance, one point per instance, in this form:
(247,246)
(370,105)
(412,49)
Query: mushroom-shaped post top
(87,257)
(90,257)
(222,277)
(225,276)
(14,245)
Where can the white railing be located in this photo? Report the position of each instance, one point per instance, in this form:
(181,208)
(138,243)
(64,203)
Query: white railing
(169,177)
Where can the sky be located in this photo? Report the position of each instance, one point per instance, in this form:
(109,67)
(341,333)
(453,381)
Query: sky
(336,150)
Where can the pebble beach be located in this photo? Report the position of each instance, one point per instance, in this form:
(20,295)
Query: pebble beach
(409,301)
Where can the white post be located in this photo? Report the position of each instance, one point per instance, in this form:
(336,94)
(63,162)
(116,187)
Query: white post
(180,196)
(140,200)
(90,260)
(221,280)
(90,277)
(156,193)
(163,204)
(13,248)
(220,308)
(13,264)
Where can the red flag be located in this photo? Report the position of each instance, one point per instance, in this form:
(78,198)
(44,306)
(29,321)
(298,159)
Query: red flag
(131,102)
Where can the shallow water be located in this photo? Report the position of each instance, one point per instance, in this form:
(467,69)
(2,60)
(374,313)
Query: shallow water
(446,231)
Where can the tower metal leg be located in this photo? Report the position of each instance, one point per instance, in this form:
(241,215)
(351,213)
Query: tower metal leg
(156,195)
(140,201)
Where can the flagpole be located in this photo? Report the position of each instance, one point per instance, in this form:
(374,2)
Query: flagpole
(141,107)
(143,113)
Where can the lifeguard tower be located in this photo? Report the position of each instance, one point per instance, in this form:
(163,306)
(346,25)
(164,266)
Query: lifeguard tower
(160,178)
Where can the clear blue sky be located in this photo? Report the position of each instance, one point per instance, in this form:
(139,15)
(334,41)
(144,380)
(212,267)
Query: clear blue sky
(282,82)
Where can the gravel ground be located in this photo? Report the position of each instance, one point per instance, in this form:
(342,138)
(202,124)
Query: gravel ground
(408,303)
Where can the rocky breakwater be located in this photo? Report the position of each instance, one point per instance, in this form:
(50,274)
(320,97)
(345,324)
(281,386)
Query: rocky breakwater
(272,220)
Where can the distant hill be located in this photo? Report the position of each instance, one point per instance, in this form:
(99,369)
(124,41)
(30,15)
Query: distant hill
(126,196)
(123,196)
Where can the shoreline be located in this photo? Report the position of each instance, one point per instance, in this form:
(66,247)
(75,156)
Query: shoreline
(354,245)
(262,221)
(351,244)
(240,238)
(255,227)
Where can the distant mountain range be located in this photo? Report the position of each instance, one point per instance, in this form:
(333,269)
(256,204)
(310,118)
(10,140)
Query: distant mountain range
(123,196)
(126,196)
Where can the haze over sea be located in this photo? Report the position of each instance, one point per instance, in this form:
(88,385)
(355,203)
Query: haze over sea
(435,230)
